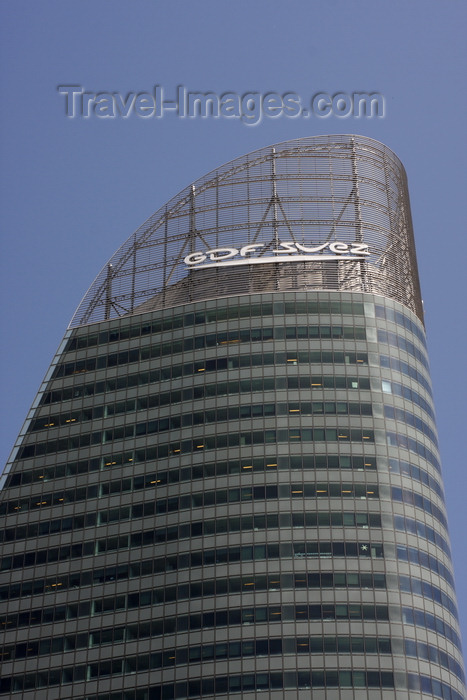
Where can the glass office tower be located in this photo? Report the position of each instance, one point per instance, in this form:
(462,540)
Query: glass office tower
(229,482)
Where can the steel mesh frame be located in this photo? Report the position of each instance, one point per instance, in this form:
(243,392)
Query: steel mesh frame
(311,191)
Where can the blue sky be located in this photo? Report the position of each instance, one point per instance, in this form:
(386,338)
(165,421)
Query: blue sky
(72,190)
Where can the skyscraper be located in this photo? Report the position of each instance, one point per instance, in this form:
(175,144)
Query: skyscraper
(229,482)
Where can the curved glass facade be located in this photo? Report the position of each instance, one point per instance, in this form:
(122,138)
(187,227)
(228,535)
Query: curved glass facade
(229,496)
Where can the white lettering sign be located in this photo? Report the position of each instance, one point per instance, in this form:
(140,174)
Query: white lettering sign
(286,251)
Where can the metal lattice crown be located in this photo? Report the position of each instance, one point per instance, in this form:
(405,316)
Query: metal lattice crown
(323,193)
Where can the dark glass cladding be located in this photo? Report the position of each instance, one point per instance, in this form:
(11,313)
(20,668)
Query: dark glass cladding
(229,483)
(251,384)
(229,650)
(200,471)
(196,500)
(200,558)
(214,340)
(226,313)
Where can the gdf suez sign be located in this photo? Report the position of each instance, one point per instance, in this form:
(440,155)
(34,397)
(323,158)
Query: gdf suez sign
(287,251)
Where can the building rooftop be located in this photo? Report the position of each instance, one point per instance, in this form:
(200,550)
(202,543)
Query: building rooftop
(321,212)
